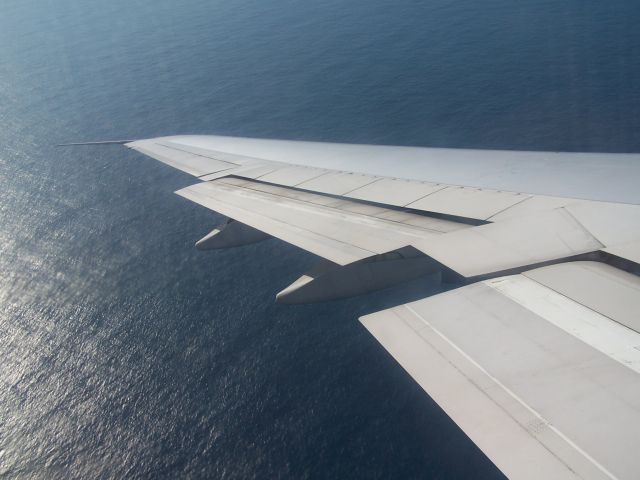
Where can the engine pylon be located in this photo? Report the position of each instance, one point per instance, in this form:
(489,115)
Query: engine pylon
(231,234)
(329,281)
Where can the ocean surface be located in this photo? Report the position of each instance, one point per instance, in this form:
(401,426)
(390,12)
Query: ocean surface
(124,352)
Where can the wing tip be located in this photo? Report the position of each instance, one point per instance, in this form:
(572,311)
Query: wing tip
(107,142)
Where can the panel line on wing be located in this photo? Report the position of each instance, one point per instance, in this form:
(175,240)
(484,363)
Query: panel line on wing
(217,171)
(212,154)
(424,196)
(581,225)
(376,179)
(326,172)
(509,207)
(217,159)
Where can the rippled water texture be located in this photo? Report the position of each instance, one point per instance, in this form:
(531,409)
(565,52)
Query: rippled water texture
(127,354)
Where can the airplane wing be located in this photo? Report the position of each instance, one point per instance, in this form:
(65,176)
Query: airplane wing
(536,356)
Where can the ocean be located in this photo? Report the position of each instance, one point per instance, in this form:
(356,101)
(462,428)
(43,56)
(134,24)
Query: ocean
(124,352)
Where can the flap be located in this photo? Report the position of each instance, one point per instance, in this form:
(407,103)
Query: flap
(545,386)
(339,230)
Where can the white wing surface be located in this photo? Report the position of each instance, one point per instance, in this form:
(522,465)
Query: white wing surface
(539,369)
(536,355)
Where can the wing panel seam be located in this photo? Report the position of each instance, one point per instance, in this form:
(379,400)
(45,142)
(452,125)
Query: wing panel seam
(377,179)
(217,171)
(578,222)
(425,196)
(529,197)
(197,154)
(326,172)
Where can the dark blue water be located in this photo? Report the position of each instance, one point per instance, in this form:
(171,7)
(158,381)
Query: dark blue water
(124,353)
